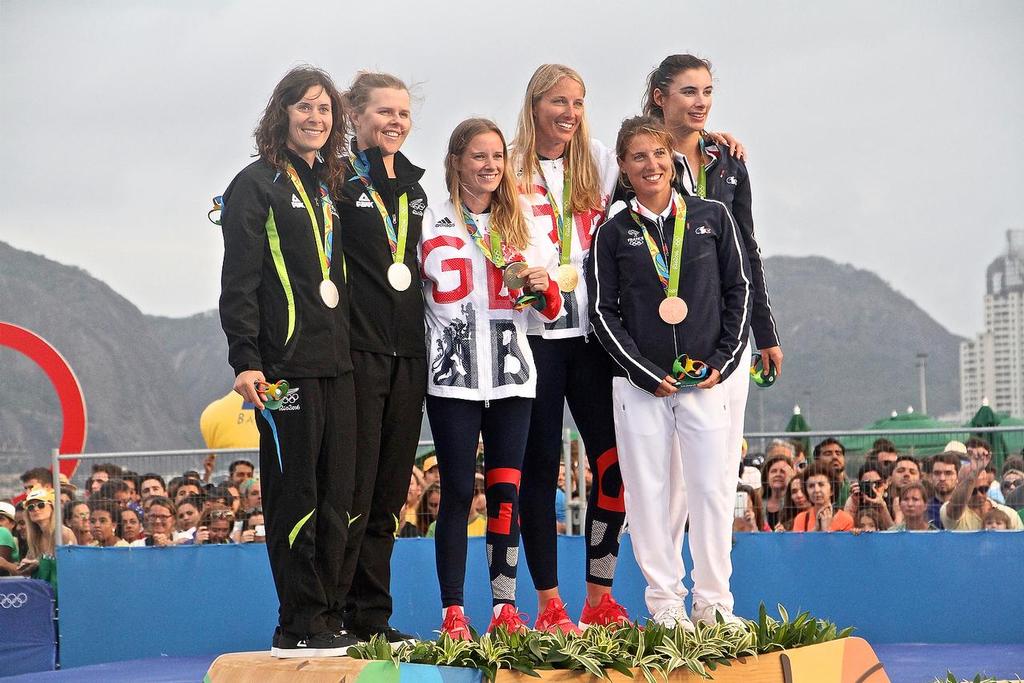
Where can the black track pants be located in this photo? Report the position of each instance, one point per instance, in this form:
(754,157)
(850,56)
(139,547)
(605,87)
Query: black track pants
(457,426)
(389,410)
(578,372)
(307,453)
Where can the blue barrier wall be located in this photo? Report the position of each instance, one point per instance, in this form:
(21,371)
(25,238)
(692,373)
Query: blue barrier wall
(128,603)
(28,643)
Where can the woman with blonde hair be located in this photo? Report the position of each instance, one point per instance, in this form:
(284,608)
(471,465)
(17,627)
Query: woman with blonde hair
(40,562)
(567,179)
(381,206)
(486,276)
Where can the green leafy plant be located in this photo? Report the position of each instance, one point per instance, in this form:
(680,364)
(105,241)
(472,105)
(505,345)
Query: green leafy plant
(978,678)
(653,651)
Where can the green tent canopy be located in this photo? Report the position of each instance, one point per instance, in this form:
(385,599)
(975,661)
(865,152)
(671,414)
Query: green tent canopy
(797,424)
(1014,440)
(918,444)
(986,417)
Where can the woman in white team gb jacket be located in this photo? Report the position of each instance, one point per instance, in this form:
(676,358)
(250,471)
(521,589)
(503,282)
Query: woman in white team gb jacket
(478,262)
(567,178)
(669,277)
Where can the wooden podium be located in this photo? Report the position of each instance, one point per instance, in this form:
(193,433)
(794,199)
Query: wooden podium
(848,660)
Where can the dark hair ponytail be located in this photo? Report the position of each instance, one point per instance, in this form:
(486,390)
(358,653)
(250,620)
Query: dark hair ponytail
(661,78)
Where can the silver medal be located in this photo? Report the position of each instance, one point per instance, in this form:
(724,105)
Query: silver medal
(329,293)
(399,276)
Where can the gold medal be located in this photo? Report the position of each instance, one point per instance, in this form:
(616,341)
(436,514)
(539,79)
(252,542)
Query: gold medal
(568,278)
(511,275)
(399,277)
(673,310)
(329,294)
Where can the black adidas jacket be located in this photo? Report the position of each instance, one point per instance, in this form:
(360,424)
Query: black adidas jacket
(729,183)
(383,320)
(625,294)
(270,306)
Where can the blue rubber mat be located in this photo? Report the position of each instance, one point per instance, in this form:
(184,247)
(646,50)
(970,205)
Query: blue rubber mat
(161,670)
(923,663)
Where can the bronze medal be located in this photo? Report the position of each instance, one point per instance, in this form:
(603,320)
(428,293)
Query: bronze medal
(511,275)
(673,310)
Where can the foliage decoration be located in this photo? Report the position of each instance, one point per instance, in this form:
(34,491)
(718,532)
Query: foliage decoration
(651,651)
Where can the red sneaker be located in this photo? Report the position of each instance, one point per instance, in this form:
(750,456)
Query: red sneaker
(607,613)
(510,619)
(554,619)
(456,625)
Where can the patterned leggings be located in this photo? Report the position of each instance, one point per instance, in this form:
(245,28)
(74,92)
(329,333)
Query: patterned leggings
(578,372)
(456,425)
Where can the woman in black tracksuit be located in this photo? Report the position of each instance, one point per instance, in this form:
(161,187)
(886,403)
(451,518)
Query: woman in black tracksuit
(381,206)
(284,310)
(669,277)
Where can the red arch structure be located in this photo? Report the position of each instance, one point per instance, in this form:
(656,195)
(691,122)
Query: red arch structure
(69,391)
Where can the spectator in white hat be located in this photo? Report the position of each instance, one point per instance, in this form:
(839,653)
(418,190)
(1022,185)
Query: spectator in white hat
(9,553)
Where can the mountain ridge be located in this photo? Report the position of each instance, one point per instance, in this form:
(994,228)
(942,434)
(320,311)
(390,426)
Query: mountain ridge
(850,340)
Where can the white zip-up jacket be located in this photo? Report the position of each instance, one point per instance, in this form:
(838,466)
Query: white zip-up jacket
(575,322)
(476,341)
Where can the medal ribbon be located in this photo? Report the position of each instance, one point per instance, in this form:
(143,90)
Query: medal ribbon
(325,204)
(493,253)
(396,238)
(702,174)
(668,274)
(564,226)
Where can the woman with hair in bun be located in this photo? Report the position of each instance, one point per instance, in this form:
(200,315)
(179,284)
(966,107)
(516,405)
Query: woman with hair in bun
(567,179)
(381,207)
(670,303)
(284,310)
(486,277)
(679,94)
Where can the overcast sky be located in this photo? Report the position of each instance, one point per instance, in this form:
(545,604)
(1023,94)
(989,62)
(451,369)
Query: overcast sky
(881,134)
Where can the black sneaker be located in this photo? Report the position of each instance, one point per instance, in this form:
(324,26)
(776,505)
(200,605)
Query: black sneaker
(391,634)
(320,645)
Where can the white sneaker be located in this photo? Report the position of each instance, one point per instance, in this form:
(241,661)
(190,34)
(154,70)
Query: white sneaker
(674,616)
(706,614)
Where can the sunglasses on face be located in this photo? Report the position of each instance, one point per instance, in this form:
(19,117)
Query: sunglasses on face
(1011,484)
(981,490)
(36,506)
(221,514)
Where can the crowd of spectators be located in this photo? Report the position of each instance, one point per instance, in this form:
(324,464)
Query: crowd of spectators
(783,490)
(119,508)
(958,489)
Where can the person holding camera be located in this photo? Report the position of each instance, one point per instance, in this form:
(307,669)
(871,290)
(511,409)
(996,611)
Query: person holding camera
(870,492)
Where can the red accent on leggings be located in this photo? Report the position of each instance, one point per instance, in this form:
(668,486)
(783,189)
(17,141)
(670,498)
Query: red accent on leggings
(501,524)
(604,501)
(504,475)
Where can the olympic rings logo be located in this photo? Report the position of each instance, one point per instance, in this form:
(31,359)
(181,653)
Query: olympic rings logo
(291,397)
(12,600)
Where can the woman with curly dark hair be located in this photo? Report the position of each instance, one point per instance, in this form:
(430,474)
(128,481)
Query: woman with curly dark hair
(284,309)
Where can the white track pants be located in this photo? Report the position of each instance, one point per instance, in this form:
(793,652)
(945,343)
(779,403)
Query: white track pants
(661,442)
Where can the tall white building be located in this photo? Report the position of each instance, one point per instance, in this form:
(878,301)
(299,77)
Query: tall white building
(992,365)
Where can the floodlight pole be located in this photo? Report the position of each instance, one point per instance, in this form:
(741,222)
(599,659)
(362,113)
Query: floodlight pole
(922,367)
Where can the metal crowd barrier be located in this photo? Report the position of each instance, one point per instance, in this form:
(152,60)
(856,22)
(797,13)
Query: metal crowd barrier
(918,442)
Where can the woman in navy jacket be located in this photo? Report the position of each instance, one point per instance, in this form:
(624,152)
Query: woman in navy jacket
(669,278)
